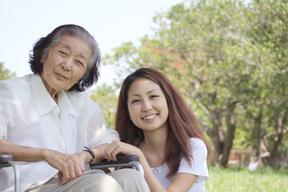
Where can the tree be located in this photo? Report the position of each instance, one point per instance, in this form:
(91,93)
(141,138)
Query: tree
(219,55)
(202,50)
(269,24)
(106,97)
(5,73)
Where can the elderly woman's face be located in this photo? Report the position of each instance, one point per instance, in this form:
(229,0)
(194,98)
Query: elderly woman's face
(65,63)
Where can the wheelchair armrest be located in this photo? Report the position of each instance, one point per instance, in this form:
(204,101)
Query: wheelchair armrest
(123,161)
(120,159)
(5,161)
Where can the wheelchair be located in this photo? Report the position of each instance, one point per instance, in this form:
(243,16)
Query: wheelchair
(123,161)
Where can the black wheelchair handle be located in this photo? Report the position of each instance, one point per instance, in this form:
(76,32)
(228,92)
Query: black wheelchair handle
(120,159)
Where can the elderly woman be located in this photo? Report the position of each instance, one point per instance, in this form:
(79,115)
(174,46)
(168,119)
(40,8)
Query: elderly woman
(48,121)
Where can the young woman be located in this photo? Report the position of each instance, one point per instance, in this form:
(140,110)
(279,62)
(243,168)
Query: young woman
(155,124)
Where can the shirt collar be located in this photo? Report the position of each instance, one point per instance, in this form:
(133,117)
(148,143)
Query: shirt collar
(65,103)
(44,102)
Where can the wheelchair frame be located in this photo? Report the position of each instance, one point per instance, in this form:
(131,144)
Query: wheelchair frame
(123,161)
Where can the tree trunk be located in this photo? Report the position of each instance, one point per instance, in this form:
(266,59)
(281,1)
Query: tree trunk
(257,133)
(216,134)
(229,137)
(280,122)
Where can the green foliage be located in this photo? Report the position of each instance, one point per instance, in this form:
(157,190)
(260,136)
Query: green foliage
(269,30)
(5,73)
(106,97)
(229,59)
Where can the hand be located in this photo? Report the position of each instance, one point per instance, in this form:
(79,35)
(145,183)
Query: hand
(119,147)
(69,166)
(100,152)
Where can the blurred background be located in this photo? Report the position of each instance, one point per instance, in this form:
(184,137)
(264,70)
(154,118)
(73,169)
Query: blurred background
(229,58)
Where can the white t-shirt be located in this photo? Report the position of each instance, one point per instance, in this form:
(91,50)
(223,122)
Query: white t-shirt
(198,167)
(29,116)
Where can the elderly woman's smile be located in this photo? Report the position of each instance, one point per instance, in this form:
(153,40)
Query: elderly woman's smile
(65,64)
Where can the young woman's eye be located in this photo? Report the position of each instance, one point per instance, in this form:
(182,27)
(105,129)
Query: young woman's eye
(134,101)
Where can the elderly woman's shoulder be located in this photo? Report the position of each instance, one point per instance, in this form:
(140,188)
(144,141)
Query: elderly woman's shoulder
(15,85)
(81,98)
(81,101)
(77,96)
(8,82)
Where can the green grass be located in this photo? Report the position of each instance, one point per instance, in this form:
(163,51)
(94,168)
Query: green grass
(242,180)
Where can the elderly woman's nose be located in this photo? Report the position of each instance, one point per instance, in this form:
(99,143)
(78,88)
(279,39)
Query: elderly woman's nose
(67,64)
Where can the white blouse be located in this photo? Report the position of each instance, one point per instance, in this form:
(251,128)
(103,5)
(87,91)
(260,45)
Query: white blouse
(198,167)
(30,117)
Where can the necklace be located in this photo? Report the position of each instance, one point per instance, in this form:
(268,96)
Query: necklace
(153,160)
(153,166)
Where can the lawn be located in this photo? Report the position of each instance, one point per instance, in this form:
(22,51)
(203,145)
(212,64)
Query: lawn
(242,180)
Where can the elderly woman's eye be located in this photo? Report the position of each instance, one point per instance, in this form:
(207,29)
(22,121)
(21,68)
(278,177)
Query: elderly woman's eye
(154,96)
(62,53)
(80,63)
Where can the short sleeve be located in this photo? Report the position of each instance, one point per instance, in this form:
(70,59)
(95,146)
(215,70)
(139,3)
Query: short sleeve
(4,111)
(3,129)
(198,164)
(98,133)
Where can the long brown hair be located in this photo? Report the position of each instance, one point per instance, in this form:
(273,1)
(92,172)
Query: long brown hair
(181,122)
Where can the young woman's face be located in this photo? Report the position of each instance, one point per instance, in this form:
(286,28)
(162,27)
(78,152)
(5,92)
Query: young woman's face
(147,105)
(65,63)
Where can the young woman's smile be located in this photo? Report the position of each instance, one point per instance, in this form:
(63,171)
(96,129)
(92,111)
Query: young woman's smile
(149,117)
(147,105)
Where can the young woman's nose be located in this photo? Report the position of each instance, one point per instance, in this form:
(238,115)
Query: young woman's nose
(146,105)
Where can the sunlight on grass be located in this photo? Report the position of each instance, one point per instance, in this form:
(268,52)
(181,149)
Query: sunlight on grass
(241,180)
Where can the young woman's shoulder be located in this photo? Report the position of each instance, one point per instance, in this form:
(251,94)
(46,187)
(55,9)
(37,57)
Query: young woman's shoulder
(198,164)
(197,143)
